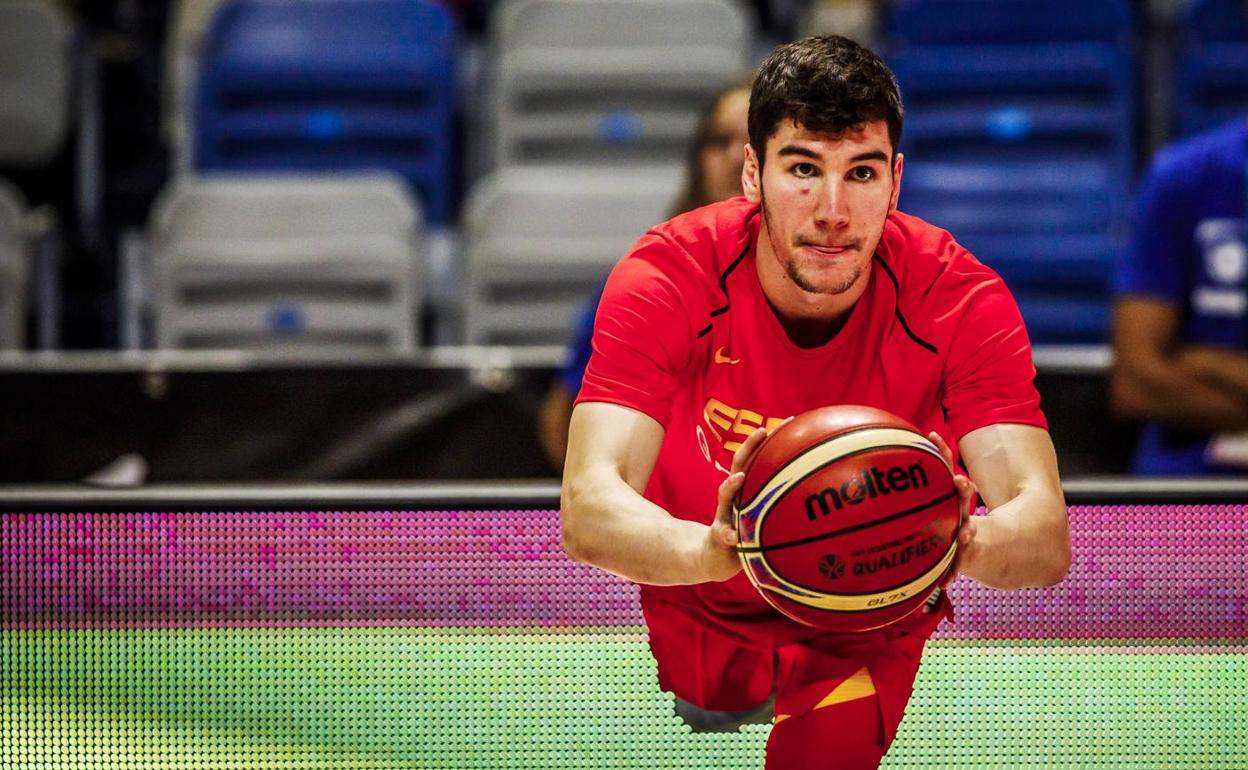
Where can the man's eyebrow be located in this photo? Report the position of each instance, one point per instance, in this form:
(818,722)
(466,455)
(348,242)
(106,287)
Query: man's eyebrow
(873,155)
(792,149)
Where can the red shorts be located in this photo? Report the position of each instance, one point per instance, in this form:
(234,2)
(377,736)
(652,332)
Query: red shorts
(853,684)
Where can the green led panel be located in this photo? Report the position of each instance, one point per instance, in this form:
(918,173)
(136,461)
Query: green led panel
(517,698)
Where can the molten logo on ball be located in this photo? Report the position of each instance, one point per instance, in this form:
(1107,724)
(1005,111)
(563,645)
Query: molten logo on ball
(872,483)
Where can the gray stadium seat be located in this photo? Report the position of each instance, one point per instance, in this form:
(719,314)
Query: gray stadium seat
(291,264)
(14,269)
(608,81)
(187,26)
(539,241)
(35,79)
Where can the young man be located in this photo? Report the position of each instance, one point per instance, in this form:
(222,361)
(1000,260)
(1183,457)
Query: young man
(811,290)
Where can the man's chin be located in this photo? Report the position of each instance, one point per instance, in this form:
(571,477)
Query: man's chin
(811,282)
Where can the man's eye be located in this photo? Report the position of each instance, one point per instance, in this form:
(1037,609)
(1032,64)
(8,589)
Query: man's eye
(804,169)
(862,174)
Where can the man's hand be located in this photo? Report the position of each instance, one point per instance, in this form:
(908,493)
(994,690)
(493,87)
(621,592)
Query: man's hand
(966,493)
(719,559)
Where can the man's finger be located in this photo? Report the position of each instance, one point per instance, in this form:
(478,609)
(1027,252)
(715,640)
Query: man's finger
(967,533)
(939,441)
(965,486)
(747,448)
(727,491)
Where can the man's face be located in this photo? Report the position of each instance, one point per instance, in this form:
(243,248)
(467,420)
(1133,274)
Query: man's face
(824,203)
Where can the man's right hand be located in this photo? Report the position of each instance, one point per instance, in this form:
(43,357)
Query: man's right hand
(718,555)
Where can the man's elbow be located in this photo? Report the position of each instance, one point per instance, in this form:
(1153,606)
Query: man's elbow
(573,545)
(1057,565)
(571,535)
(1056,569)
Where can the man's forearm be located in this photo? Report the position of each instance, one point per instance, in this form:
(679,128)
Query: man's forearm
(1020,544)
(613,528)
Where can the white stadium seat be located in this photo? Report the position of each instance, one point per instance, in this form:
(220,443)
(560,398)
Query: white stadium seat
(608,81)
(294,263)
(539,241)
(35,82)
(14,269)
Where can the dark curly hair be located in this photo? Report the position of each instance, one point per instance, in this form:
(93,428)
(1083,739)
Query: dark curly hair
(824,84)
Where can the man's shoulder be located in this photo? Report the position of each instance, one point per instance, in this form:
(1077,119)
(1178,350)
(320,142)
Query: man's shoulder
(938,281)
(924,258)
(683,262)
(708,239)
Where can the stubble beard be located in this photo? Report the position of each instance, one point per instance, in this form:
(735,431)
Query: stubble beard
(805,284)
(794,270)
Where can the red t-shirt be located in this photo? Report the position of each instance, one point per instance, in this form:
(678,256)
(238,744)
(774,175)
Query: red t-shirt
(685,335)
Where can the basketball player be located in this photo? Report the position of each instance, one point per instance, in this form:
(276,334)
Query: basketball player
(812,289)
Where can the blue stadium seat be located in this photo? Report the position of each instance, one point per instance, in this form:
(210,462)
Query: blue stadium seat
(1211,74)
(1006,22)
(292,85)
(1019,140)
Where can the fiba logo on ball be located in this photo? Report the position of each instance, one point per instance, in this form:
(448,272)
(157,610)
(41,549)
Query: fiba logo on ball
(831,566)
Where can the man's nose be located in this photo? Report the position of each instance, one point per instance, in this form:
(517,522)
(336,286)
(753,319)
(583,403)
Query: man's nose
(832,208)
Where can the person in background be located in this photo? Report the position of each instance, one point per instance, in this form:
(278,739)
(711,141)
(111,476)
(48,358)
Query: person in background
(712,173)
(1180,319)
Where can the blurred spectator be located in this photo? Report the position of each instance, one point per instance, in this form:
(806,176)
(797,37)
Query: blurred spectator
(712,173)
(857,20)
(1181,312)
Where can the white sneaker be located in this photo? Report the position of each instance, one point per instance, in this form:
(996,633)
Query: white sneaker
(710,721)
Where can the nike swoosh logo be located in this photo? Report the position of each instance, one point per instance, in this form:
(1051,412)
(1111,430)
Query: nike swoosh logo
(722,358)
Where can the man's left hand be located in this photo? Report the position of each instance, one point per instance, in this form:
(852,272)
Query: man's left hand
(966,493)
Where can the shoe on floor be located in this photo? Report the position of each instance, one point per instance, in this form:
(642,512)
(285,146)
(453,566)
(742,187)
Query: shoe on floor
(710,721)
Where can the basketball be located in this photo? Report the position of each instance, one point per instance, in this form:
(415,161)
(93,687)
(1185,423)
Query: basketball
(848,518)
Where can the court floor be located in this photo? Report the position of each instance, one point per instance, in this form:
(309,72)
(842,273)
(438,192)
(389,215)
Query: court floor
(573,697)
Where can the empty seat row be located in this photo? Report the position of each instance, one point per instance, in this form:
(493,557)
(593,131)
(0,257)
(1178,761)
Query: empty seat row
(1019,139)
(1211,69)
(285,85)
(337,262)
(325,86)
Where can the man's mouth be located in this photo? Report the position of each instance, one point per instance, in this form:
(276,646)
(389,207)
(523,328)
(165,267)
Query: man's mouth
(828,250)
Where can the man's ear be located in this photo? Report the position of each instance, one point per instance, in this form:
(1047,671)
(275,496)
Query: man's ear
(752,176)
(898,163)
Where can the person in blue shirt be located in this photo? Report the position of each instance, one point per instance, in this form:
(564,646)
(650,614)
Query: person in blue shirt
(1180,329)
(713,173)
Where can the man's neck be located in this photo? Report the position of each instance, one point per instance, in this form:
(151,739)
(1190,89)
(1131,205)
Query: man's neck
(809,319)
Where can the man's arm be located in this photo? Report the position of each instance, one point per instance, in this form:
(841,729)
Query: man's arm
(1195,387)
(1024,540)
(606,521)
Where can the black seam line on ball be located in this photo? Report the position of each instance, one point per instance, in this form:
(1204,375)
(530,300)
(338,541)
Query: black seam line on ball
(847,530)
(816,445)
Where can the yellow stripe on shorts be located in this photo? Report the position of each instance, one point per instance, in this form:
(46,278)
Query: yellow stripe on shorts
(860,685)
